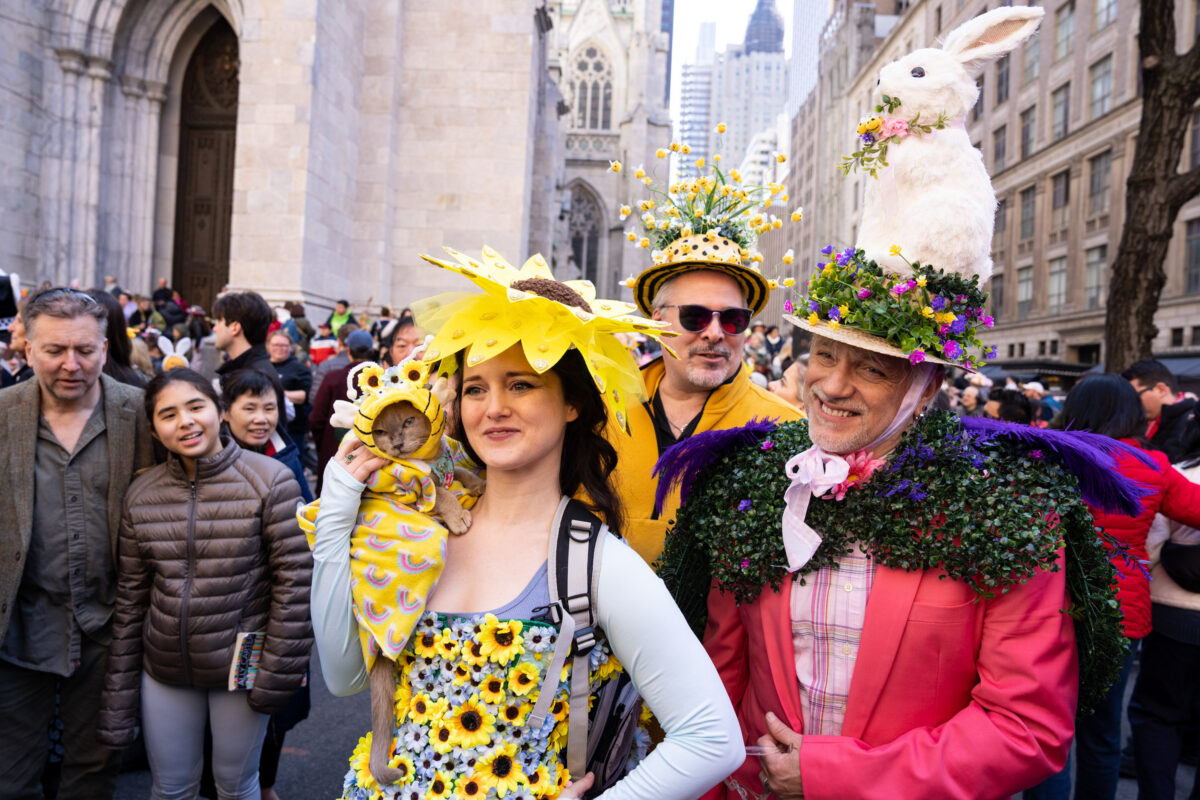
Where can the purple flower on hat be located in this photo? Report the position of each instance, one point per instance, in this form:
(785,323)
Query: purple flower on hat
(916,356)
(835,313)
(950,348)
(1037,455)
(990,353)
(827,249)
(787,306)
(746,562)
(863,294)
(868,138)
(988,322)
(814,306)
(845,256)
(960,298)
(768,444)
(937,303)
(958,326)
(900,288)
(744,506)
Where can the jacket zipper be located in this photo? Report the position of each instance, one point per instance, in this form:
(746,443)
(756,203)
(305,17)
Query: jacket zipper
(187,590)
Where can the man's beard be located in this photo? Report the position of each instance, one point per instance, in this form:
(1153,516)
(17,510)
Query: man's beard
(707,378)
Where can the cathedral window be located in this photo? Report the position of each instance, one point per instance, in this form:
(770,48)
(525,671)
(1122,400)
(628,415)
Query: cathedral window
(585,234)
(592,83)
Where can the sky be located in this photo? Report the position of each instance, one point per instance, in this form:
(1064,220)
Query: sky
(731,17)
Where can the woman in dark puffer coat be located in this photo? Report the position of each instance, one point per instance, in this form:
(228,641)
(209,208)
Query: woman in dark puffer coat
(209,549)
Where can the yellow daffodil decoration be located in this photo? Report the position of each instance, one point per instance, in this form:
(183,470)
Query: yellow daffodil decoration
(528,306)
(711,221)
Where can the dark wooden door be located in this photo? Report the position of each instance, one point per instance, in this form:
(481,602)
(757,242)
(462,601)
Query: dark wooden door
(204,200)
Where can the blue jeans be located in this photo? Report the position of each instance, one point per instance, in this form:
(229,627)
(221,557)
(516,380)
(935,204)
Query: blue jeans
(1097,749)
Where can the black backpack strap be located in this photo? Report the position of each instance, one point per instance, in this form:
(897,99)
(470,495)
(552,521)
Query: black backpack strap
(572,576)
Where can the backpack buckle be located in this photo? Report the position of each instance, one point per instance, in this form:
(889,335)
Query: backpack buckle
(585,640)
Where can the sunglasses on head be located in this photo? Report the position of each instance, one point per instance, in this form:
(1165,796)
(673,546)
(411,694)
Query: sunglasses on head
(693,318)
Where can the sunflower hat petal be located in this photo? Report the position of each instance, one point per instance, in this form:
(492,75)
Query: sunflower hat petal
(528,306)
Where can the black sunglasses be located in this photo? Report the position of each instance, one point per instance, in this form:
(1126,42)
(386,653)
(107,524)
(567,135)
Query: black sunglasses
(694,319)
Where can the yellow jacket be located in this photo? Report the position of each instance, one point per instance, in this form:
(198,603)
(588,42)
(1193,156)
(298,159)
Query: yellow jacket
(730,405)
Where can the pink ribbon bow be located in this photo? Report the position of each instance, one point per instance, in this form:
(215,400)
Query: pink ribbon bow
(813,472)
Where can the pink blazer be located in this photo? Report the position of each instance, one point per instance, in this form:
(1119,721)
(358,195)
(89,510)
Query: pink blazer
(951,698)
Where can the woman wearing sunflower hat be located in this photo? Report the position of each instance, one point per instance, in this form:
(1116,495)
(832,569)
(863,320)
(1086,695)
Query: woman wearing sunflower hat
(707,284)
(540,371)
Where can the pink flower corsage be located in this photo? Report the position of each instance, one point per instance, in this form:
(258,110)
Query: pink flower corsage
(862,466)
(893,127)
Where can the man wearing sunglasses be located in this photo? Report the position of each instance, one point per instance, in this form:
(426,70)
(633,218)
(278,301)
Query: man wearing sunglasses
(709,298)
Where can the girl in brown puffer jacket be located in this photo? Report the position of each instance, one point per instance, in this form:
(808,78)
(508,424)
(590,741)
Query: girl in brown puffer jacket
(209,549)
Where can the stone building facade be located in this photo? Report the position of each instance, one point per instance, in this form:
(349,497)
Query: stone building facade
(1056,123)
(305,149)
(609,58)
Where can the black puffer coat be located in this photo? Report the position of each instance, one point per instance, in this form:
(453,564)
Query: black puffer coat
(200,562)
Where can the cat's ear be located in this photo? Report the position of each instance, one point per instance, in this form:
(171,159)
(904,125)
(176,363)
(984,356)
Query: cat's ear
(365,378)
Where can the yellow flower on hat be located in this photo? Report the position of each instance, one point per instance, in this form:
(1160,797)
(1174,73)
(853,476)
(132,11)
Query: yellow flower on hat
(700,163)
(674,147)
(921,281)
(789,282)
(797,215)
(721,127)
(625,211)
(834,325)
(660,153)
(813,319)
(735,176)
(644,243)
(894,250)
(639,173)
(685,149)
(780,157)
(615,166)
(788,258)
(631,236)
(773,284)
(483,325)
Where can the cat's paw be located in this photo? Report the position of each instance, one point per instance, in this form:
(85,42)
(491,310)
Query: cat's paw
(458,521)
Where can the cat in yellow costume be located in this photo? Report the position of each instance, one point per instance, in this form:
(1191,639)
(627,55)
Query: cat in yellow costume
(398,548)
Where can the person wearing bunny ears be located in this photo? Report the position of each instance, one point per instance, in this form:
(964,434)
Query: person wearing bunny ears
(882,586)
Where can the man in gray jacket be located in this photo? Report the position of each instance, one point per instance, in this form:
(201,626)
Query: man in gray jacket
(73,440)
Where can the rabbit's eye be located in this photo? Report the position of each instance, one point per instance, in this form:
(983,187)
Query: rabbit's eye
(918,72)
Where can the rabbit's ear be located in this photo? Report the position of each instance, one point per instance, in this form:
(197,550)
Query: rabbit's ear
(185,344)
(991,35)
(165,347)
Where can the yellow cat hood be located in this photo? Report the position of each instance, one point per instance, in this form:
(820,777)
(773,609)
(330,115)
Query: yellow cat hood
(373,388)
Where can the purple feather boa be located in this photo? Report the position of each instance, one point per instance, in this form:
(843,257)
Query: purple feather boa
(1091,456)
(683,462)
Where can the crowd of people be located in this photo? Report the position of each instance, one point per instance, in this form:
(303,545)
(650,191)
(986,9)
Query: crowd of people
(691,556)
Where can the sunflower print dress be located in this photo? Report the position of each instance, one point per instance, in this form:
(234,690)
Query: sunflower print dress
(465,686)
(397,548)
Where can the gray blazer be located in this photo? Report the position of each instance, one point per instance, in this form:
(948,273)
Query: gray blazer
(129,451)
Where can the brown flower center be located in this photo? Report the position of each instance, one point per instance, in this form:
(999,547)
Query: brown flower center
(502,766)
(511,713)
(443,734)
(471,721)
(552,290)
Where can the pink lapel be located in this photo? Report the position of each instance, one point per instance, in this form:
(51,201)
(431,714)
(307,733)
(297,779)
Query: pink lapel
(888,607)
(775,610)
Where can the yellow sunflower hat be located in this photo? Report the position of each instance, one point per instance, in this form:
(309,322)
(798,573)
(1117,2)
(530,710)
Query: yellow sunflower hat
(374,388)
(547,317)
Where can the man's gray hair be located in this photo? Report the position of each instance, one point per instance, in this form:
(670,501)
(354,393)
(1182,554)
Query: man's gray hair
(63,304)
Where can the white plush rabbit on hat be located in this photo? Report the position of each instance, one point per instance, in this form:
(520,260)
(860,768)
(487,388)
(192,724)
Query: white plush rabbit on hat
(935,200)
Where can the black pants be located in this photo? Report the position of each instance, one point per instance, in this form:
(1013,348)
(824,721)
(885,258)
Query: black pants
(1163,706)
(89,770)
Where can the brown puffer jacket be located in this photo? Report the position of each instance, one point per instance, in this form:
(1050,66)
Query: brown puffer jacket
(199,563)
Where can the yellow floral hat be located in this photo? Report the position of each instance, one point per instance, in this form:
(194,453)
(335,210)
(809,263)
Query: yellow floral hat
(373,388)
(528,306)
(710,222)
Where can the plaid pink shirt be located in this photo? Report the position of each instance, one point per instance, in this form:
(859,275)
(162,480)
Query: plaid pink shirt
(827,621)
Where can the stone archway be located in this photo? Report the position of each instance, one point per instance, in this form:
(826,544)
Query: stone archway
(586,231)
(204,189)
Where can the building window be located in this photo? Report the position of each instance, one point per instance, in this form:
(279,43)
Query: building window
(1196,336)
(1028,207)
(1031,58)
(1012,350)
(1064,30)
(1000,225)
(1041,347)
(584,228)
(1093,280)
(977,111)
(1001,80)
(1024,292)
(1106,13)
(937,20)
(1028,130)
(1060,103)
(1099,179)
(999,143)
(592,83)
(1058,284)
(1021,350)
(1101,80)
(1061,197)
(1193,256)
(1176,337)
(1054,347)
(997,297)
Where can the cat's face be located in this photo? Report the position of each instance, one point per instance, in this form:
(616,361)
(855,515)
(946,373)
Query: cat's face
(400,430)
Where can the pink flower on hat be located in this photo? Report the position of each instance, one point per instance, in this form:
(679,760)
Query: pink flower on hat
(893,126)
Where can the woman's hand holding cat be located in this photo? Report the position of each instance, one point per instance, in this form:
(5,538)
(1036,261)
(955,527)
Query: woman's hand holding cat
(354,457)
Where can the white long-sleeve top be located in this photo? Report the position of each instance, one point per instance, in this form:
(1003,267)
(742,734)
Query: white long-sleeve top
(645,629)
